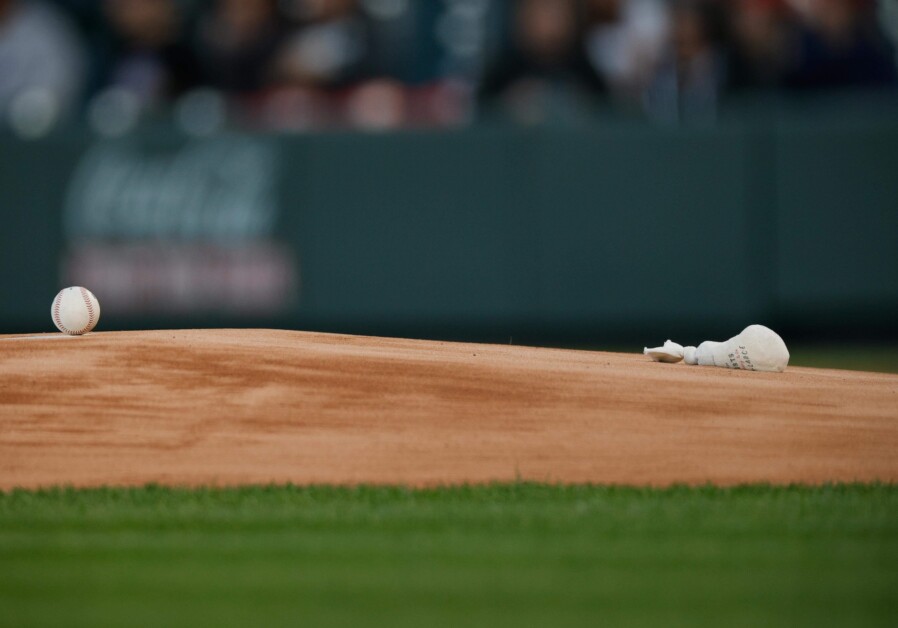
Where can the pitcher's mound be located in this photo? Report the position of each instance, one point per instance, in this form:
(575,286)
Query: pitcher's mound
(258,406)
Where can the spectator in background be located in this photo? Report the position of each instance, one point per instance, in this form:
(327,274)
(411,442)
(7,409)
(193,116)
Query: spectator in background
(763,44)
(625,41)
(322,52)
(841,45)
(147,52)
(329,46)
(238,44)
(546,70)
(690,81)
(333,52)
(42,64)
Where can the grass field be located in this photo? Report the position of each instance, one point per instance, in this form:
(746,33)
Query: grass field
(504,555)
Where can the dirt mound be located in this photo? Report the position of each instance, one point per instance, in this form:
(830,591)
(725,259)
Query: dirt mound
(254,406)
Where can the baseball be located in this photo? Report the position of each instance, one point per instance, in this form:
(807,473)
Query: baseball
(75,311)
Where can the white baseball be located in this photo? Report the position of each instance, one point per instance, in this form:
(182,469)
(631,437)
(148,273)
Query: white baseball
(75,311)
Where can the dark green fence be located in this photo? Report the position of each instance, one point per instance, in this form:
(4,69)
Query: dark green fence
(583,234)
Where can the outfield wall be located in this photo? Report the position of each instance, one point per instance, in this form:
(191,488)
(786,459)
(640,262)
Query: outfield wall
(582,234)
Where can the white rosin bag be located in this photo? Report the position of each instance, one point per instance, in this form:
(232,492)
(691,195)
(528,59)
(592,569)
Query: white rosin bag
(757,348)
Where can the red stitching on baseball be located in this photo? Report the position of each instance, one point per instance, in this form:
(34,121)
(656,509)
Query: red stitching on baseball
(56,317)
(90,310)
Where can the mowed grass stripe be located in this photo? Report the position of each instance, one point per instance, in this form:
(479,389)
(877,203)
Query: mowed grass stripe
(502,555)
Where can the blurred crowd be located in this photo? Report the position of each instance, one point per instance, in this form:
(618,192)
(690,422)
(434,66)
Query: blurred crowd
(382,64)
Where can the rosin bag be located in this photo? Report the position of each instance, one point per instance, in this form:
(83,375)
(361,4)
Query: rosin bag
(757,348)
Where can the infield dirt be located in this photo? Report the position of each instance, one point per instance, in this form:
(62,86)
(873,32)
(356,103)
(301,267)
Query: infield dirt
(228,407)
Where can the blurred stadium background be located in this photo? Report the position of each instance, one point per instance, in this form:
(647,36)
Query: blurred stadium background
(543,171)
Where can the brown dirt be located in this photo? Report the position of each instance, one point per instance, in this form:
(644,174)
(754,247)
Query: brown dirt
(257,406)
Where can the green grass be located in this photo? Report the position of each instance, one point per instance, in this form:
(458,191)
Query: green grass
(504,555)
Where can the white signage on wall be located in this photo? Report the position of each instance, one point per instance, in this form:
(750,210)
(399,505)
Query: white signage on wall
(221,188)
(182,231)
